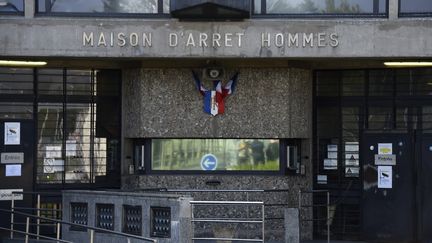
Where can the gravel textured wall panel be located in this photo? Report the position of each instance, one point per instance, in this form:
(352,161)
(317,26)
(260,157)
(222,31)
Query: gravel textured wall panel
(267,103)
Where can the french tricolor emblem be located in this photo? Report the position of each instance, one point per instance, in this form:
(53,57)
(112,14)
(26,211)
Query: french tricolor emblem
(214,99)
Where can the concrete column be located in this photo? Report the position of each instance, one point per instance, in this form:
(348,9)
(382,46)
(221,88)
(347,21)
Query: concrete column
(393,9)
(292,225)
(29,8)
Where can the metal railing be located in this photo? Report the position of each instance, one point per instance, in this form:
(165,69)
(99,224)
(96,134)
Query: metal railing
(327,219)
(58,223)
(34,210)
(227,220)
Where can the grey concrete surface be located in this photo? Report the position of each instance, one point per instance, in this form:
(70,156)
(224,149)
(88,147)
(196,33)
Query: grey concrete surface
(165,103)
(179,205)
(292,225)
(63,37)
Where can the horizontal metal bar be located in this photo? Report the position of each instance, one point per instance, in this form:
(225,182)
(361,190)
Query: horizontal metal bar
(38,209)
(314,205)
(312,191)
(276,205)
(31,234)
(214,190)
(225,203)
(34,224)
(211,190)
(230,239)
(38,193)
(320,219)
(228,221)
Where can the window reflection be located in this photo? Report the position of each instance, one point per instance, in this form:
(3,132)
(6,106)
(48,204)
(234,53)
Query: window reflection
(231,154)
(11,6)
(415,6)
(324,6)
(100,6)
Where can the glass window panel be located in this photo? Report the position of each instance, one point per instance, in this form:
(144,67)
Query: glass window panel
(381,82)
(414,81)
(257,6)
(406,118)
(231,154)
(415,6)
(380,118)
(99,6)
(166,6)
(15,110)
(427,119)
(16,81)
(327,83)
(79,125)
(353,83)
(350,123)
(50,81)
(78,82)
(326,7)
(11,6)
(50,142)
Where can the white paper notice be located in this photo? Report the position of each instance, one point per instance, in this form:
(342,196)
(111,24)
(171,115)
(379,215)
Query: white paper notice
(13,170)
(330,164)
(322,179)
(71,146)
(52,165)
(385,177)
(12,133)
(385,148)
(53,152)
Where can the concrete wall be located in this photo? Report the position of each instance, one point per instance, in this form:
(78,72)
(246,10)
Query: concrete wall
(179,206)
(63,37)
(267,103)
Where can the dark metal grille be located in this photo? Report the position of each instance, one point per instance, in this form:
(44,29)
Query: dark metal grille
(347,104)
(79,215)
(160,222)
(132,219)
(105,216)
(16,81)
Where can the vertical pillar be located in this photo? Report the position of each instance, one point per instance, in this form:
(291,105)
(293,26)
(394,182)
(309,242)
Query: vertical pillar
(29,8)
(393,10)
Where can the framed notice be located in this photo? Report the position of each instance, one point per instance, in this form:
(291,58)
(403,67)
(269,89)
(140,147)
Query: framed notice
(12,133)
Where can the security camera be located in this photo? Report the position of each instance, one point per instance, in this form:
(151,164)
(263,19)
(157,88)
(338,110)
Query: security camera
(213,73)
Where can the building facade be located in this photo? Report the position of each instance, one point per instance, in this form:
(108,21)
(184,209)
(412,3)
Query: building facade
(127,99)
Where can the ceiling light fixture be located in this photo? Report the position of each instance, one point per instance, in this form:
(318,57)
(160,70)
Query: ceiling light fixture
(21,63)
(408,64)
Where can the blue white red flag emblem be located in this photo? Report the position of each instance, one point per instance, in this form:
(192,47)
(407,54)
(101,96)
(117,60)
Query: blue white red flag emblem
(214,100)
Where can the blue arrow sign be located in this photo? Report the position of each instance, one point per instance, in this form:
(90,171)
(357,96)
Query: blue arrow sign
(209,162)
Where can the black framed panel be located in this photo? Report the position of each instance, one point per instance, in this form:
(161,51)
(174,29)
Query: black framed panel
(415,8)
(245,156)
(320,8)
(12,7)
(102,8)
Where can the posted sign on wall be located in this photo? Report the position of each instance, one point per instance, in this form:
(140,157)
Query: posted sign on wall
(6,194)
(12,133)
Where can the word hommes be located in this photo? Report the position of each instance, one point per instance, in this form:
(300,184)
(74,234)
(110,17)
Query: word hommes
(213,40)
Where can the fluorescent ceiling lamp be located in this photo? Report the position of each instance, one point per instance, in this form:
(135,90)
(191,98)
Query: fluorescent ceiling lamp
(21,63)
(408,64)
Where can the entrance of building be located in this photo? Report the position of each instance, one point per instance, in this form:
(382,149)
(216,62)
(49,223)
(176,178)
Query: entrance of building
(17,163)
(397,187)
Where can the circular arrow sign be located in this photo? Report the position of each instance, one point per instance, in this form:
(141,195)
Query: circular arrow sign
(209,162)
